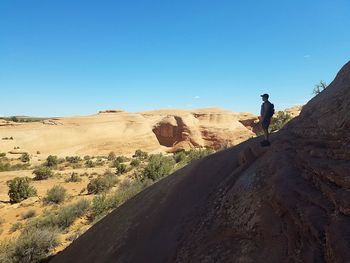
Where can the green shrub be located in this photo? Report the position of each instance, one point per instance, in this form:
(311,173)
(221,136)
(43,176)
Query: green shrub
(99,162)
(158,167)
(42,173)
(73,159)
(52,161)
(61,219)
(140,155)
(279,120)
(196,154)
(180,156)
(121,169)
(14,119)
(135,162)
(102,183)
(89,164)
(6,250)
(28,214)
(87,157)
(56,194)
(2,155)
(20,189)
(102,204)
(115,164)
(111,156)
(5,166)
(67,215)
(25,157)
(122,159)
(73,178)
(34,245)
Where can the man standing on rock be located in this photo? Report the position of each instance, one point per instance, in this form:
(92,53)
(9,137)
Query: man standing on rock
(266,113)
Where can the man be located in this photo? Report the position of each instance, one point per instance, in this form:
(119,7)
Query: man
(266,113)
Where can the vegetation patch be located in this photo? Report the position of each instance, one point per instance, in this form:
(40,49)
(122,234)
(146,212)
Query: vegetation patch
(32,245)
(73,178)
(20,189)
(158,167)
(102,204)
(102,183)
(57,194)
(42,173)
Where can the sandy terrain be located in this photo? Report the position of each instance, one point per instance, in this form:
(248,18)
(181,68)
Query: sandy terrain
(124,132)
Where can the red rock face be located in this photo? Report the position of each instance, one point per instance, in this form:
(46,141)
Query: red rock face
(214,129)
(286,203)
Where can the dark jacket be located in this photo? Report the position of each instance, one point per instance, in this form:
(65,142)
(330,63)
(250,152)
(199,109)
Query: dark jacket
(265,109)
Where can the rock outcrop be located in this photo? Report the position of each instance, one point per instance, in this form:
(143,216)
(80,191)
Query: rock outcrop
(286,203)
(124,132)
(214,128)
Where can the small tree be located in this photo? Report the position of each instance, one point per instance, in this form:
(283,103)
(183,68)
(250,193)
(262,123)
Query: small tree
(51,161)
(42,173)
(25,157)
(20,189)
(319,88)
(14,119)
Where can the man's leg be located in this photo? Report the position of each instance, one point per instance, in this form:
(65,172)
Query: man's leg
(266,133)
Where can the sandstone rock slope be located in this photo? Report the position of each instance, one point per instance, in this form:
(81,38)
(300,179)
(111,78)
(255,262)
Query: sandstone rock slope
(125,132)
(287,203)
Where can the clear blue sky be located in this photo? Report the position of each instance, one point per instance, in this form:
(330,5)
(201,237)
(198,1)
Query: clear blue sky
(75,57)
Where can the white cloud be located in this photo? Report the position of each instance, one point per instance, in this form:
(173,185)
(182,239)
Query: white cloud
(196,97)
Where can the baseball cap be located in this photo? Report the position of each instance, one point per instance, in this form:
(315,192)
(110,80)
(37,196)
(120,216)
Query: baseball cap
(265,95)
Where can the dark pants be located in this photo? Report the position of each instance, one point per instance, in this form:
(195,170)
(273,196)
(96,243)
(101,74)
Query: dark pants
(265,124)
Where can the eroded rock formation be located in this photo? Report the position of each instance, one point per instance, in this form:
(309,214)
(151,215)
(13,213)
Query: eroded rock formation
(213,128)
(125,132)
